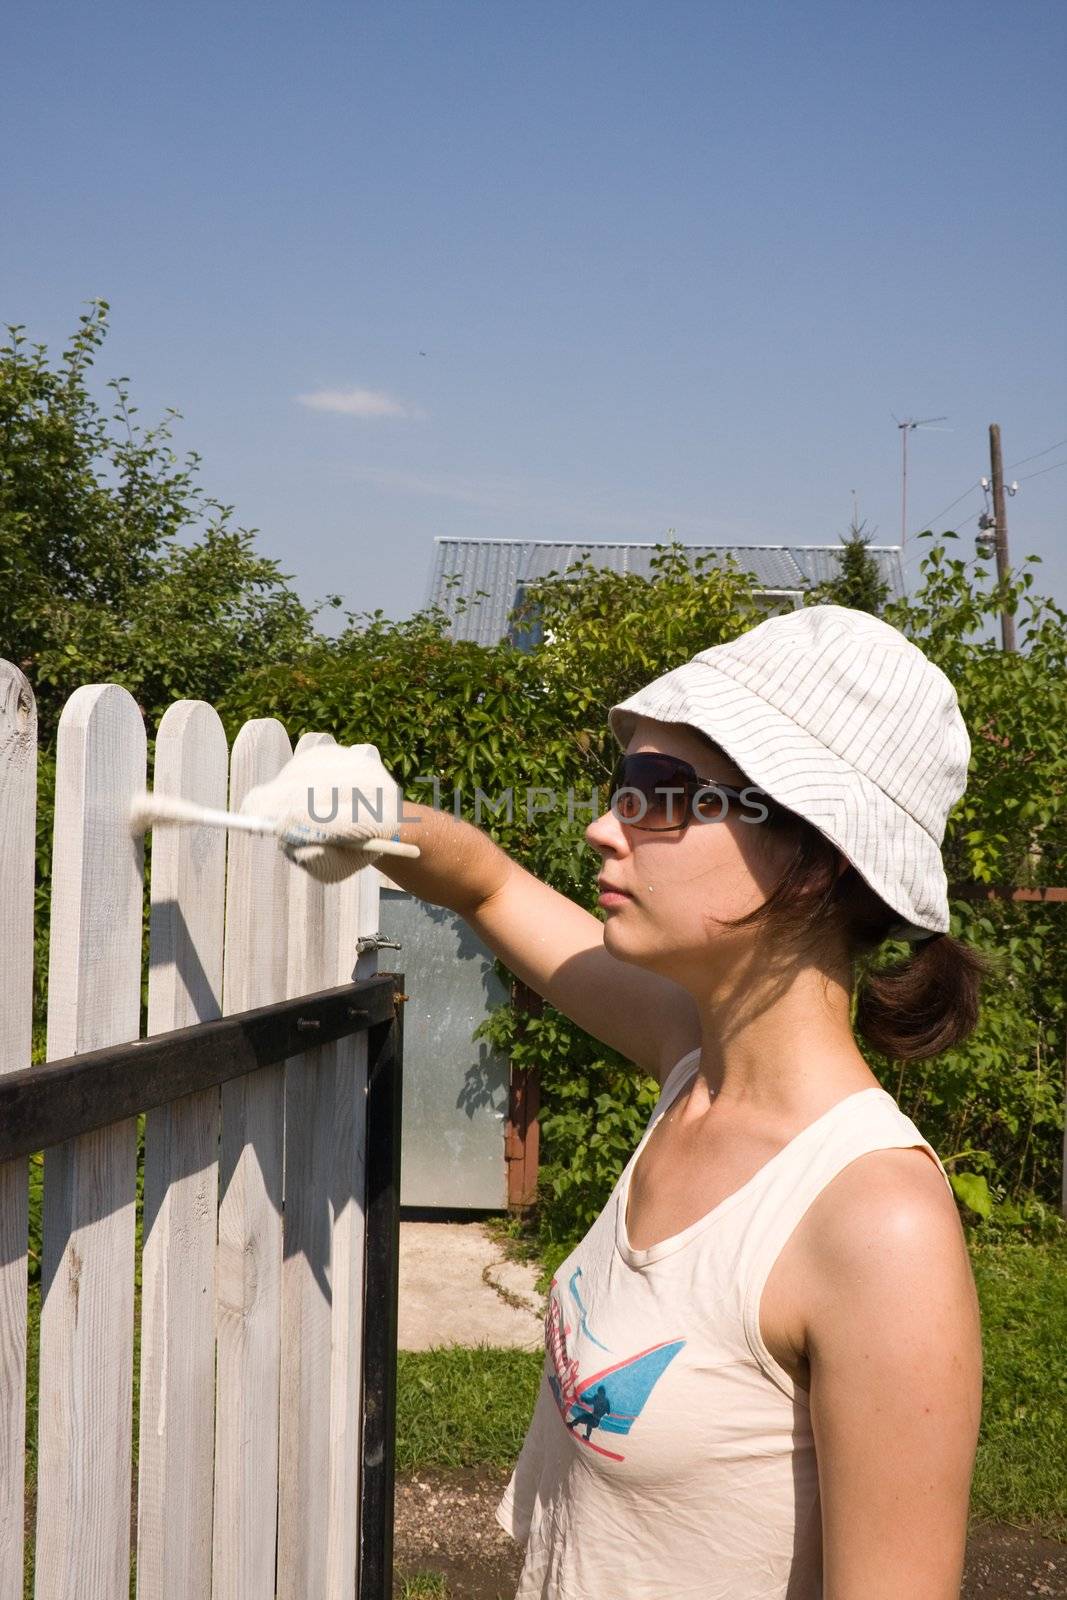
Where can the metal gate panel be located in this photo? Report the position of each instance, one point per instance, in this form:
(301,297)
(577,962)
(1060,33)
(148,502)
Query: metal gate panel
(455,1089)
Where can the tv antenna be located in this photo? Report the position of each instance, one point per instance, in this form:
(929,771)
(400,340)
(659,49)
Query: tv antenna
(908,425)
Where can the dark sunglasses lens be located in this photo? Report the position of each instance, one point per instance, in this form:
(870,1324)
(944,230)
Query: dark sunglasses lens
(652,791)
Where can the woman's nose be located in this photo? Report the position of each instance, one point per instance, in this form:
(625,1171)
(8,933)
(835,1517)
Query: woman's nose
(606,833)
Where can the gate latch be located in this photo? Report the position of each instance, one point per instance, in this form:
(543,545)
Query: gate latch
(375,941)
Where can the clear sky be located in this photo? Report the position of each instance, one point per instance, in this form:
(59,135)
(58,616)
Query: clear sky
(586,270)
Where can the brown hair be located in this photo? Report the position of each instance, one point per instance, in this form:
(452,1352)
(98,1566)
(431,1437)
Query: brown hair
(916,1007)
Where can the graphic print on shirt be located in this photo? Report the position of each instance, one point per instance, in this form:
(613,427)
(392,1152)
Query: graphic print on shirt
(610,1400)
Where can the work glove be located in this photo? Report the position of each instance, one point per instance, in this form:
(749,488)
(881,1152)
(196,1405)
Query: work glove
(324,802)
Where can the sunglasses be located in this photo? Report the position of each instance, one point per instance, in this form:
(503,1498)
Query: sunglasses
(660,792)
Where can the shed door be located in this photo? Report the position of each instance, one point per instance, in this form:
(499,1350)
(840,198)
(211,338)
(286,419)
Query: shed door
(455,1090)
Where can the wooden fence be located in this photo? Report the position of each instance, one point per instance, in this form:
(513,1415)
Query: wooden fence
(259,1366)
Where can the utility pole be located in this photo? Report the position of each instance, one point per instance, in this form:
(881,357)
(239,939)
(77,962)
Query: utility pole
(1000,525)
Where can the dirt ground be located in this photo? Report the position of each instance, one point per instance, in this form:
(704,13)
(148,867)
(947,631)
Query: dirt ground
(445,1524)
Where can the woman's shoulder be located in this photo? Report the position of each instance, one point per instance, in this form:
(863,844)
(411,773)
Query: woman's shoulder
(886,1204)
(886,1193)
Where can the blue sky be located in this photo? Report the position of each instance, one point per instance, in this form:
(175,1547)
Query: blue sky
(671,266)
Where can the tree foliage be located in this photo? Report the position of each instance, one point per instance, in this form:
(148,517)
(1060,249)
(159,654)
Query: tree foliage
(114,563)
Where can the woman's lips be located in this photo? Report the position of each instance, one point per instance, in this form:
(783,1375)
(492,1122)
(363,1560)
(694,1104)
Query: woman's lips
(611,896)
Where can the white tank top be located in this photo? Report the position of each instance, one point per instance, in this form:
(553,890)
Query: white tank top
(669,1454)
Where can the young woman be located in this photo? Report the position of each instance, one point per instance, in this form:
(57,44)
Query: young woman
(763,1363)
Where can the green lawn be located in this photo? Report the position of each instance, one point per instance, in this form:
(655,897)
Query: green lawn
(424,1586)
(1019,1475)
(463,1407)
(460,1407)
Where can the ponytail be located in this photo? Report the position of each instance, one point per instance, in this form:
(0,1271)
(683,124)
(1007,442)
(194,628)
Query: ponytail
(916,1008)
(924,1004)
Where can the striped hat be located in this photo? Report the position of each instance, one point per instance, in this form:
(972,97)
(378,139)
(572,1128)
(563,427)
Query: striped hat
(844,721)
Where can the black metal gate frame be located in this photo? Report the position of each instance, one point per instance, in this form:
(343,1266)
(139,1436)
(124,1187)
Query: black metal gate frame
(45,1105)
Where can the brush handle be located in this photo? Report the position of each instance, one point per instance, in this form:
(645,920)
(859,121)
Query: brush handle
(206,816)
(161,810)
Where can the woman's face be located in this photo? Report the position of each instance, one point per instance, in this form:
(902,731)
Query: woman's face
(680,887)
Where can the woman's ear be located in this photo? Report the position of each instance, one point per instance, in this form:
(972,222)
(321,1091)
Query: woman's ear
(843,865)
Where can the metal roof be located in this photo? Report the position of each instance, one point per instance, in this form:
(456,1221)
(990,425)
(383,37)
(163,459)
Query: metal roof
(500,566)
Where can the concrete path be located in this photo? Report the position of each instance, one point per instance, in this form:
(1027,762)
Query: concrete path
(456,1287)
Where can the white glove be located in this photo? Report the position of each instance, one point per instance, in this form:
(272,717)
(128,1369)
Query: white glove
(324,802)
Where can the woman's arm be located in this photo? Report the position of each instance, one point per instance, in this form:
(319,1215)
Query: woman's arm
(894,1346)
(550,942)
(546,939)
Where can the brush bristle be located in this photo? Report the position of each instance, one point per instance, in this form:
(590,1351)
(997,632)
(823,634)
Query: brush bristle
(147,810)
(141,815)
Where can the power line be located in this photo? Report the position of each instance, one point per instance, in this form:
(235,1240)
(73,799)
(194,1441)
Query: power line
(1056,465)
(1036,456)
(913,553)
(931,520)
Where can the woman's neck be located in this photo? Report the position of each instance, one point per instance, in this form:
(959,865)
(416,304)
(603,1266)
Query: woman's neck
(780,1045)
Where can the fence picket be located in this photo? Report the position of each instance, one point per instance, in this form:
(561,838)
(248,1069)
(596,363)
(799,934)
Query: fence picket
(357,917)
(303,1462)
(86,1363)
(248,1281)
(177,1394)
(18,787)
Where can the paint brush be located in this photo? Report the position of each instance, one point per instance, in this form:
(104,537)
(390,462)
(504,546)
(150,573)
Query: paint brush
(153,810)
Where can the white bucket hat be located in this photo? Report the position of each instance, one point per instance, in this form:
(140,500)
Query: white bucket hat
(843,720)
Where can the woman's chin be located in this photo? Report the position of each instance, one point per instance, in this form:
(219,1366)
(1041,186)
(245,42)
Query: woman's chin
(626,944)
(621,942)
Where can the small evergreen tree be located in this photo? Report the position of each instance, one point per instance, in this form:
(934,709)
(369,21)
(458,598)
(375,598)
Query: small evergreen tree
(858,582)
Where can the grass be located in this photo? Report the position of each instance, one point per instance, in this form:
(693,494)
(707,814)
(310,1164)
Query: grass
(1019,1474)
(424,1586)
(467,1407)
(518,1236)
(459,1407)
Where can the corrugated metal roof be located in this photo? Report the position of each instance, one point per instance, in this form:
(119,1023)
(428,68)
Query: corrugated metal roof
(498,566)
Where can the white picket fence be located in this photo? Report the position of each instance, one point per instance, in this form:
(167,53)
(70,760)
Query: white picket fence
(250,1319)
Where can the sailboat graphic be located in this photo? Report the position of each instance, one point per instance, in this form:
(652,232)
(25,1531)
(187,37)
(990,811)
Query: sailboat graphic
(610,1400)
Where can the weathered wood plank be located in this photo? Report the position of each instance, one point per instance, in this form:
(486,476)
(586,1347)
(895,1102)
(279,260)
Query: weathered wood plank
(18,793)
(304,1435)
(86,1364)
(47,1104)
(248,1266)
(357,917)
(177,1395)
